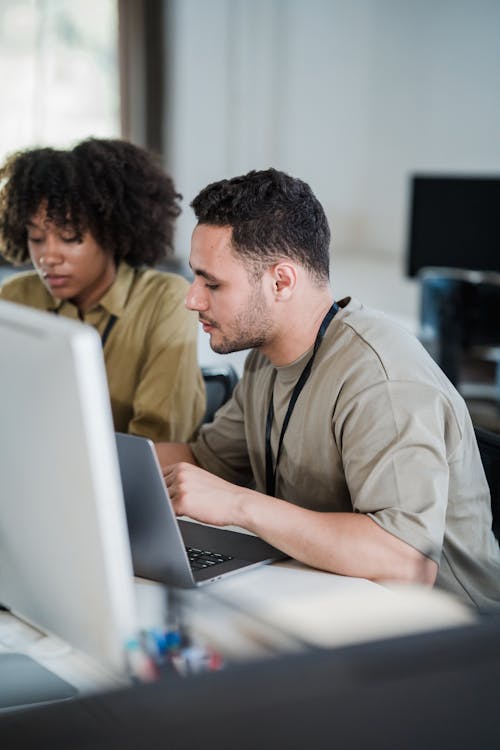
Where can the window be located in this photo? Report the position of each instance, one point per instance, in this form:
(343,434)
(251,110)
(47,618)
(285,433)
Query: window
(59,72)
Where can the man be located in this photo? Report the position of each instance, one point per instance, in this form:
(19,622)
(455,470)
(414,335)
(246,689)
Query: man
(344,444)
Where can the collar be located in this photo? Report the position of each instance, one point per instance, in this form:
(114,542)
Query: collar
(116,297)
(290,373)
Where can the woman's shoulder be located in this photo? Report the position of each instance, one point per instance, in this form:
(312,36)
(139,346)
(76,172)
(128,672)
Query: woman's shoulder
(161,278)
(156,295)
(160,284)
(24,287)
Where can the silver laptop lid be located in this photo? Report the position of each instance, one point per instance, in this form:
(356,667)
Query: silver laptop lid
(159,540)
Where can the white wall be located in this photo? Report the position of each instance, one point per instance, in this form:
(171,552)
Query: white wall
(352,96)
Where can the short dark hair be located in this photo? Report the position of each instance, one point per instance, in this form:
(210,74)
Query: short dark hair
(272,215)
(110,187)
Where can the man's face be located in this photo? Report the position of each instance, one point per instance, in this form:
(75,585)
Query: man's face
(231,304)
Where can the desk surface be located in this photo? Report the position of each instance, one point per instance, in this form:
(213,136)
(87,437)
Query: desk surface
(288,606)
(265,611)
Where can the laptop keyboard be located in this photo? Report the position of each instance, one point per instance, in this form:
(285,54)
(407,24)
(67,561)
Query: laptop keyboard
(202,558)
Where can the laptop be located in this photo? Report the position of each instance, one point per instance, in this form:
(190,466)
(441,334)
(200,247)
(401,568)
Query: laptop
(177,552)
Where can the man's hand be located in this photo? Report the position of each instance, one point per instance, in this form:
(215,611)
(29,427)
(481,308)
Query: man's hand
(198,494)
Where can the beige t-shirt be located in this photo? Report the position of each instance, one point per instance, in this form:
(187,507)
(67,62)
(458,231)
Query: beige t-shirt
(377,429)
(151,358)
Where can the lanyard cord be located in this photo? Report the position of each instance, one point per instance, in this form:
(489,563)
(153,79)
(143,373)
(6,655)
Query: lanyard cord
(109,326)
(270,469)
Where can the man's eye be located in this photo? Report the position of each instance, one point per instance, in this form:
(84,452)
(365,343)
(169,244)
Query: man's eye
(35,240)
(212,286)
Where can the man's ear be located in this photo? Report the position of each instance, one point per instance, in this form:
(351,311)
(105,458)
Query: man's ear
(284,276)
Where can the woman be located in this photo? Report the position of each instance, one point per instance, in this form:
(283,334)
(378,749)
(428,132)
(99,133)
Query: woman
(92,220)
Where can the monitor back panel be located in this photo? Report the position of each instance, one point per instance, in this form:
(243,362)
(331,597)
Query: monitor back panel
(64,554)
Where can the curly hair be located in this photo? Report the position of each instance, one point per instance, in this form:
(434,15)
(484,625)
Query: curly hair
(115,190)
(272,215)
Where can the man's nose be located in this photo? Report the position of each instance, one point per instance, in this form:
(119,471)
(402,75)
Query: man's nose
(195,298)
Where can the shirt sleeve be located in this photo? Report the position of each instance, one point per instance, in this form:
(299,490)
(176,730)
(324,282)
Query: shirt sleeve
(392,438)
(169,399)
(4,292)
(221,446)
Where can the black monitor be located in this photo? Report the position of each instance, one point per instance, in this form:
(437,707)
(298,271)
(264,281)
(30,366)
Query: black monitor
(454,222)
(438,690)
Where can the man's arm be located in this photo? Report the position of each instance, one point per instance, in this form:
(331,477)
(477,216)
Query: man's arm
(171,453)
(351,544)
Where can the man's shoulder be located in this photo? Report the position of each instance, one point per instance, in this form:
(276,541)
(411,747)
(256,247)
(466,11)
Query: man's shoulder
(376,331)
(372,347)
(372,322)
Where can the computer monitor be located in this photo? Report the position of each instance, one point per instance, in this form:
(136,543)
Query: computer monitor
(453,222)
(65,563)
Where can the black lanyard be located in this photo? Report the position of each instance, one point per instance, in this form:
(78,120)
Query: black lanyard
(270,470)
(109,326)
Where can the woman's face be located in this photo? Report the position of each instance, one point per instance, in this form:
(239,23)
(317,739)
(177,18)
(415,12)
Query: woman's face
(80,271)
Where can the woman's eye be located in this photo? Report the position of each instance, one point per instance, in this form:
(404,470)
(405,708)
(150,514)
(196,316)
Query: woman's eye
(35,240)
(212,286)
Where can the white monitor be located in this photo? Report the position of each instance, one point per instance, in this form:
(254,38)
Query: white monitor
(65,563)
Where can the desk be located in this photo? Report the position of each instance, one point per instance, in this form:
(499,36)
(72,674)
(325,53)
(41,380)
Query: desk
(264,612)
(290,607)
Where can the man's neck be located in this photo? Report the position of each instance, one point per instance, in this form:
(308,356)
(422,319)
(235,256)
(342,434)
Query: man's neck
(298,332)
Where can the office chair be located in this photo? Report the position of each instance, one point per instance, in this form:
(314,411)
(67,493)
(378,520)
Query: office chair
(489,448)
(219,384)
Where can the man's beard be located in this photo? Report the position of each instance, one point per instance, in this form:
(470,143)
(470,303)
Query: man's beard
(251,328)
